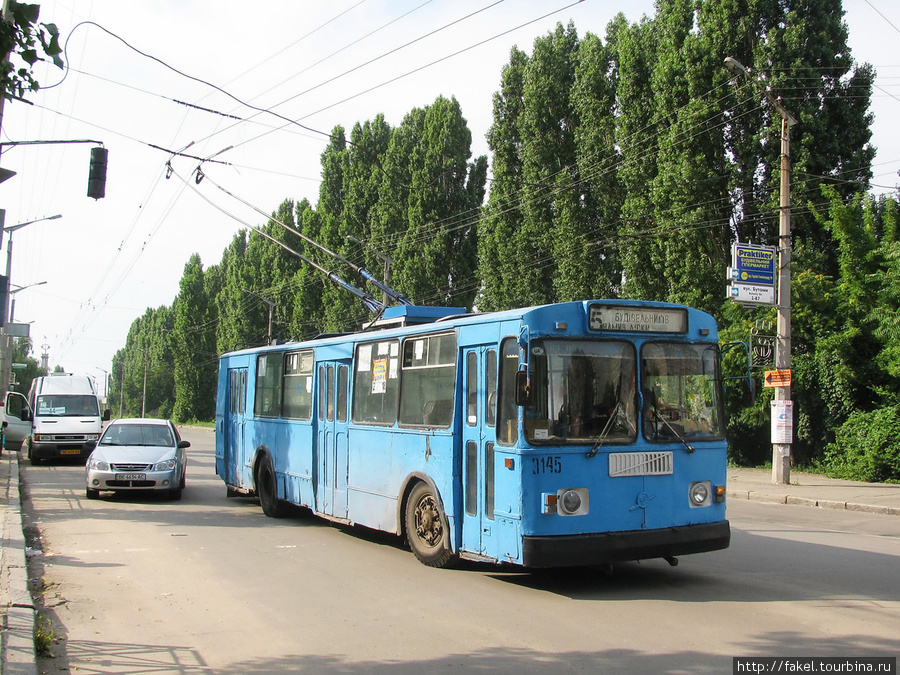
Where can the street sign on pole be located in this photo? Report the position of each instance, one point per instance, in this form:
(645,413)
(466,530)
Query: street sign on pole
(753,264)
(777,378)
(752,294)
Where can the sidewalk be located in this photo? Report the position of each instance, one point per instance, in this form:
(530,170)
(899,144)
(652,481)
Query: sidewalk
(17,613)
(812,489)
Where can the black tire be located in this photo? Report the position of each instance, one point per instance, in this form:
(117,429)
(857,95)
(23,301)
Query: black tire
(92,494)
(267,490)
(426,528)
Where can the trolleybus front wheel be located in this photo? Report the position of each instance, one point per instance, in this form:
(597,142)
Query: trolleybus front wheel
(425,531)
(267,490)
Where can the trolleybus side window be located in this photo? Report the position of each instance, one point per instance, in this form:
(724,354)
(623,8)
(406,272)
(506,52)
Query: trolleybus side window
(681,392)
(343,373)
(329,395)
(323,398)
(237,391)
(507,412)
(268,385)
(490,387)
(376,383)
(471,389)
(428,381)
(298,379)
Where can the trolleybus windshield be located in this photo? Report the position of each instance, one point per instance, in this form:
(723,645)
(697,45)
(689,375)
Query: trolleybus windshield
(681,392)
(579,386)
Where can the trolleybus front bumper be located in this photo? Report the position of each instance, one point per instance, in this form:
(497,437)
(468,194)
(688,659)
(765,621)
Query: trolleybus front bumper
(610,547)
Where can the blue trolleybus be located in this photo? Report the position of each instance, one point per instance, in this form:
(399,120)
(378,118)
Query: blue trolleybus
(580,433)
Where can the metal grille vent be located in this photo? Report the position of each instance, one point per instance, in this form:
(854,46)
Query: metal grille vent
(640,464)
(131,467)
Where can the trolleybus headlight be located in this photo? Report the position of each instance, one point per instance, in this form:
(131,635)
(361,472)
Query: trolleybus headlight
(700,493)
(572,501)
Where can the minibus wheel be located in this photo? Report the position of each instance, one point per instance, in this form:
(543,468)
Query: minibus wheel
(425,528)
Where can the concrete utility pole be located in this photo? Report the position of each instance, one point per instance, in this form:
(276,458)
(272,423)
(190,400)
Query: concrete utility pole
(781,452)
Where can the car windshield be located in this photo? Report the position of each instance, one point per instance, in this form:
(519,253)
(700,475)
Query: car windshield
(67,405)
(137,434)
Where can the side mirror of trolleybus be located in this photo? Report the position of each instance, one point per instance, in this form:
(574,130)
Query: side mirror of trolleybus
(524,394)
(749,392)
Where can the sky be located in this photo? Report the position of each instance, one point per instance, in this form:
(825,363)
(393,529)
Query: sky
(90,273)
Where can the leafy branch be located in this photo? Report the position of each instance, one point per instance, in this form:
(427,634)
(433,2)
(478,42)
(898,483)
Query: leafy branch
(31,41)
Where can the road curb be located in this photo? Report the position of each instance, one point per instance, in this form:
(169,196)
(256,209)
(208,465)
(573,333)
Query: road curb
(791,500)
(17,651)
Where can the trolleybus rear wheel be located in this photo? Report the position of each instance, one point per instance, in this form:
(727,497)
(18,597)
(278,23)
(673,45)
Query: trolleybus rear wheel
(267,490)
(425,531)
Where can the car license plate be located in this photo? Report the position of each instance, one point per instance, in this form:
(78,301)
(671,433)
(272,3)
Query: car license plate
(70,452)
(131,476)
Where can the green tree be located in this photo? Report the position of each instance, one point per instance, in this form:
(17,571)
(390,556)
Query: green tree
(500,242)
(193,347)
(22,35)
(428,206)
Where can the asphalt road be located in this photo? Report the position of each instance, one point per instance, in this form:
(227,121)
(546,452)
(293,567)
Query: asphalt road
(139,584)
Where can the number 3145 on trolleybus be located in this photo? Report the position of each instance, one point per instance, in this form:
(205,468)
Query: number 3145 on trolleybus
(578,433)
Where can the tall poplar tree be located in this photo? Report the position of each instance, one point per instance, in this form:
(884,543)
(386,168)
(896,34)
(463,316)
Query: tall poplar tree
(428,206)
(194,347)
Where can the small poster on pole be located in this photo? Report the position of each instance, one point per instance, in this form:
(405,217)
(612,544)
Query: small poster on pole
(782,422)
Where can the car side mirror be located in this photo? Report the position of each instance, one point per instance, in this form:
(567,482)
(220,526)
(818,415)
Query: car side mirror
(184,444)
(89,446)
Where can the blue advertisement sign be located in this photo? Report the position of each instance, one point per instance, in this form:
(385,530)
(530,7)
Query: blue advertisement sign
(754,264)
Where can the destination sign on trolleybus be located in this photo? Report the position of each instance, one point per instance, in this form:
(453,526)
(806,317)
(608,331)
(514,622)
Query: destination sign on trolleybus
(637,319)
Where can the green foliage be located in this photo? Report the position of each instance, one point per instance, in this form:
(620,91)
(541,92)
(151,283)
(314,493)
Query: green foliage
(21,34)
(867,446)
(44,635)
(193,347)
(21,353)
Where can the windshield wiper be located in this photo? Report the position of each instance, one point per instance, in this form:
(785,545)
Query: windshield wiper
(690,448)
(606,429)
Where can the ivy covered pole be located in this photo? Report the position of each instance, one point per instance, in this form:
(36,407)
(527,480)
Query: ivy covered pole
(781,451)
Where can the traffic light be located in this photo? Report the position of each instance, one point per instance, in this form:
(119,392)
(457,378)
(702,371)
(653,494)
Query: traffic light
(97,175)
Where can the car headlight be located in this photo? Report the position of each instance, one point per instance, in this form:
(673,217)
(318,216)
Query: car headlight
(98,464)
(700,493)
(165,465)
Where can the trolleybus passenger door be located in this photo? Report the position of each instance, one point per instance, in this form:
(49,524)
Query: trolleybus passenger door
(478,437)
(234,425)
(332,449)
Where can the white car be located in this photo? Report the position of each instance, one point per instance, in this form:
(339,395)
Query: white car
(137,454)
